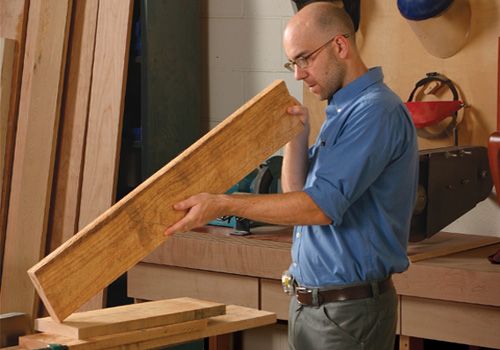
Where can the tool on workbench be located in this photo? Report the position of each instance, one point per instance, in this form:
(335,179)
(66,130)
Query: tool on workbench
(452,180)
(264,179)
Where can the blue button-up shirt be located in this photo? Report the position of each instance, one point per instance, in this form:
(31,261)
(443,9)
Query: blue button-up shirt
(363,174)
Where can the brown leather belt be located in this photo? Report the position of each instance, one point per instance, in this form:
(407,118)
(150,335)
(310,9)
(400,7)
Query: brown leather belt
(305,295)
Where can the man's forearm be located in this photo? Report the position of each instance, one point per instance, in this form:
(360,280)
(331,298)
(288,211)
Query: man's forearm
(294,208)
(295,164)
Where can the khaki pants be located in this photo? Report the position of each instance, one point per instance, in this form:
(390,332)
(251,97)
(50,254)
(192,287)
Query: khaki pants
(362,324)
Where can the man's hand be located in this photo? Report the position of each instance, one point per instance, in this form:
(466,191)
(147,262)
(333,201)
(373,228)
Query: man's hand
(201,208)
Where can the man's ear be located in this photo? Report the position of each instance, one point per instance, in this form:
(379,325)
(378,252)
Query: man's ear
(341,46)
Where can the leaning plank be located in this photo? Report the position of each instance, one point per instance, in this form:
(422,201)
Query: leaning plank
(119,319)
(133,227)
(68,171)
(237,318)
(7,58)
(13,14)
(102,146)
(34,151)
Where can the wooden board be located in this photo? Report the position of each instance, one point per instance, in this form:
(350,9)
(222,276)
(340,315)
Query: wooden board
(41,340)
(446,243)
(133,227)
(68,172)
(154,282)
(119,319)
(7,58)
(102,146)
(10,10)
(34,151)
(237,318)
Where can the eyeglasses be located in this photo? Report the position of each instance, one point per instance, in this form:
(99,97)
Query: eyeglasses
(303,61)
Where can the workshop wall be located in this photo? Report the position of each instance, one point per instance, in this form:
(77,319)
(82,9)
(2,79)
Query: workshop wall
(245,52)
(386,39)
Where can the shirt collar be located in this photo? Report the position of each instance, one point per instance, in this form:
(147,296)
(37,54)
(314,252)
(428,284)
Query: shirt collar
(345,95)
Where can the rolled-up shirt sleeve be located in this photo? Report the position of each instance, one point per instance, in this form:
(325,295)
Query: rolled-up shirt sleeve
(350,157)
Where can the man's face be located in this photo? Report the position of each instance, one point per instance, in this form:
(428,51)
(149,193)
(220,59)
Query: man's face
(324,73)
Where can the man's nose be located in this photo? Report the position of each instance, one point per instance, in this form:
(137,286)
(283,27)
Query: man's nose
(299,73)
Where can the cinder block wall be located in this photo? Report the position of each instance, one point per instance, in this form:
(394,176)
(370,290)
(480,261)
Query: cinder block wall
(245,52)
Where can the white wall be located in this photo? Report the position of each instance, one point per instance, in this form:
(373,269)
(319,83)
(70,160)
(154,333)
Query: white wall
(245,52)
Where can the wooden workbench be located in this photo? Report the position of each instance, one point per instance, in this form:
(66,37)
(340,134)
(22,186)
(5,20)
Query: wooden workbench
(453,298)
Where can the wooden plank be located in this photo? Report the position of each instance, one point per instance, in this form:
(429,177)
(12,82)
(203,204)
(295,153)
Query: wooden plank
(154,282)
(68,171)
(446,243)
(13,19)
(41,340)
(103,141)
(450,321)
(119,319)
(35,148)
(132,228)
(7,58)
(237,318)
(19,10)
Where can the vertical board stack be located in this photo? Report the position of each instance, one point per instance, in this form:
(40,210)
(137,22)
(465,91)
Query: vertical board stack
(63,69)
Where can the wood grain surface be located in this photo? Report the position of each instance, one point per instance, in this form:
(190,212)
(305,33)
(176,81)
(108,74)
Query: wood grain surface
(237,318)
(41,90)
(107,101)
(68,171)
(132,228)
(119,319)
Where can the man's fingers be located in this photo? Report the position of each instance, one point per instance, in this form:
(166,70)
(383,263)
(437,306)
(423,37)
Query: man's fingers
(179,226)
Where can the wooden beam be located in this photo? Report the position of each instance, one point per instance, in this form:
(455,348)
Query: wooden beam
(102,146)
(95,323)
(34,152)
(132,228)
(68,172)
(237,318)
(11,9)
(7,58)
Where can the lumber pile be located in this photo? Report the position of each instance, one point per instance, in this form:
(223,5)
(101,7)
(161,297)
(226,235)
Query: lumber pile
(66,83)
(63,68)
(146,325)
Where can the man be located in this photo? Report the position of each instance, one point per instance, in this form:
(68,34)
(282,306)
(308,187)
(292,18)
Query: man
(350,196)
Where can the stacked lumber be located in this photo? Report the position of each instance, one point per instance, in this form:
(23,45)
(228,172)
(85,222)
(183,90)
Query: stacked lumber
(146,325)
(66,159)
(51,181)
